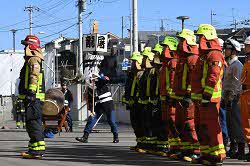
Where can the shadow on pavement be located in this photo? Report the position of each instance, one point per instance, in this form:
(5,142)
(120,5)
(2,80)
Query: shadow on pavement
(106,155)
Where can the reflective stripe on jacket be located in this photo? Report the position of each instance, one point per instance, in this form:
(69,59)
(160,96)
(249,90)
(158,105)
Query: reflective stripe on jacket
(163,80)
(207,77)
(32,80)
(185,68)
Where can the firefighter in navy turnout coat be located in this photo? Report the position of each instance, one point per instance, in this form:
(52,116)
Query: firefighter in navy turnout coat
(32,91)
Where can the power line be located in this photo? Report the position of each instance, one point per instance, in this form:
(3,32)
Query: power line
(45,10)
(65,28)
(59,31)
(58,18)
(46,28)
(57,11)
(44,25)
(50,15)
(6,26)
(51,23)
(110,1)
(55,5)
(45,3)
(167,19)
(60,9)
(4,31)
(93,2)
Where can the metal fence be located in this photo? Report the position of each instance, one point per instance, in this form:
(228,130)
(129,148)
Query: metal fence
(122,115)
(7,112)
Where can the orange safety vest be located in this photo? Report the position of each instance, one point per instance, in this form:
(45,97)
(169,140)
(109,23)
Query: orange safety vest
(245,76)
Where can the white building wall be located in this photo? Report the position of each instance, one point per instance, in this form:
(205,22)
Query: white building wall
(10,67)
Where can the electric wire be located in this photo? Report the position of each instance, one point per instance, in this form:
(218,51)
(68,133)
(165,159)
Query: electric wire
(65,28)
(59,31)
(43,25)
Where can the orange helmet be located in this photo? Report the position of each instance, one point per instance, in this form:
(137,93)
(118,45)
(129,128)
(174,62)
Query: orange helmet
(32,41)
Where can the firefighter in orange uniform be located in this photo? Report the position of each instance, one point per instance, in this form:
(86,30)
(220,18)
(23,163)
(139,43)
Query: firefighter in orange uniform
(206,89)
(188,55)
(245,96)
(169,59)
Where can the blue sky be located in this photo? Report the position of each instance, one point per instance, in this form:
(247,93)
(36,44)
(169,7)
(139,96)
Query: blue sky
(109,13)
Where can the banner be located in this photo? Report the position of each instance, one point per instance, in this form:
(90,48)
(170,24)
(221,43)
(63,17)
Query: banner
(95,42)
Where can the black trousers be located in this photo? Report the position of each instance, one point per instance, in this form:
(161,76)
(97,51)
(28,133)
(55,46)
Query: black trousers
(140,123)
(148,120)
(20,117)
(157,122)
(34,127)
(133,119)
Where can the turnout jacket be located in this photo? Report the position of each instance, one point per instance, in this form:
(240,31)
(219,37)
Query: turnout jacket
(32,78)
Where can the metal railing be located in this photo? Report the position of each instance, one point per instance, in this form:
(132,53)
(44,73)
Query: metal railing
(117,91)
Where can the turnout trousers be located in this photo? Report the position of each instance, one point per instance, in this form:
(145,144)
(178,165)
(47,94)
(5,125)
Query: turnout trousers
(186,127)
(20,119)
(34,128)
(210,135)
(174,139)
(133,119)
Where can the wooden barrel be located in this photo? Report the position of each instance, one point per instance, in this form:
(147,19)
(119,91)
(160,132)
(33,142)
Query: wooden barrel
(54,102)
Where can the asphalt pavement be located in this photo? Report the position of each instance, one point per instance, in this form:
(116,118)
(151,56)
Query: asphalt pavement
(63,150)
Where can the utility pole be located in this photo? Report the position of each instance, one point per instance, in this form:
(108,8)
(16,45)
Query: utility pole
(91,26)
(212,14)
(131,27)
(81,8)
(14,50)
(81,4)
(123,45)
(14,39)
(162,29)
(122,27)
(30,10)
(235,24)
(234,20)
(131,34)
(135,25)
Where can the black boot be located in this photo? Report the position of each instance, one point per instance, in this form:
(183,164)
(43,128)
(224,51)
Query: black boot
(241,151)
(233,149)
(84,138)
(213,161)
(225,142)
(247,156)
(115,138)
